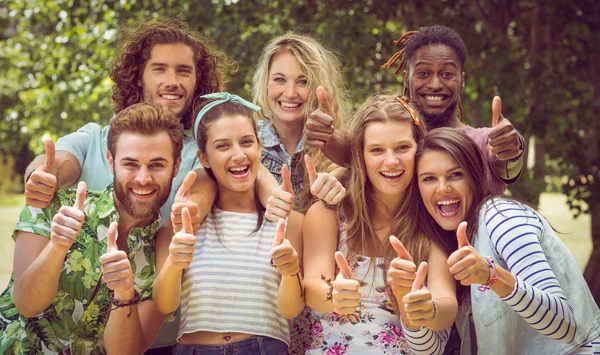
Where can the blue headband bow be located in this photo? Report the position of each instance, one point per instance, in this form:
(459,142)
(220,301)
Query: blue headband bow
(219,98)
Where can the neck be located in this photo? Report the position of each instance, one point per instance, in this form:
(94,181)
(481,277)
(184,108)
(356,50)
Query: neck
(236,201)
(127,221)
(289,133)
(386,207)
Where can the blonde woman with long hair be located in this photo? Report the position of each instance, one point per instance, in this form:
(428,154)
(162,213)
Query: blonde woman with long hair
(378,244)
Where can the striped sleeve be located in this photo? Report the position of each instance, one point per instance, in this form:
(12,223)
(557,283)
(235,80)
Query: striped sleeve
(538,298)
(425,341)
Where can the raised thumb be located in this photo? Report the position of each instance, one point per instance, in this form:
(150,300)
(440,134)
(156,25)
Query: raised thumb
(342,264)
(461,235)
(111,238)
(279,233)
(419,281)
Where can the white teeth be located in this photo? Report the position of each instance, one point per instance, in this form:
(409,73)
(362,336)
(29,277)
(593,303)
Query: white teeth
(171,97)
(289,104)
(238,169)
(434,98)
(391,173)
(447,202)
(142,192)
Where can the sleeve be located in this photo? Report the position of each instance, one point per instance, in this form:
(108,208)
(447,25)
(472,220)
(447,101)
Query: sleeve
(425,341)
(515,233)
(78,143)
(35,220)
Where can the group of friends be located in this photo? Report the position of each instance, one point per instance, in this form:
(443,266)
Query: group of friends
(277,226)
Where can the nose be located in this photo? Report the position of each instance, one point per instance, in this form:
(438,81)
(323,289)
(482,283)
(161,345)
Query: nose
(444,186)
(390,158)
(238,153)
(143,176)
(171,79)
(290,90)
(434,82)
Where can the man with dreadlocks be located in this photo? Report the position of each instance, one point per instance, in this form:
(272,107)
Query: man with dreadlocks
(432,61)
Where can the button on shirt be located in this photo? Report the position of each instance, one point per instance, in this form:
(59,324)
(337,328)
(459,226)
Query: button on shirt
(274,155)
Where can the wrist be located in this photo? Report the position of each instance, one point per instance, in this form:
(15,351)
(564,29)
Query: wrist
(124,296)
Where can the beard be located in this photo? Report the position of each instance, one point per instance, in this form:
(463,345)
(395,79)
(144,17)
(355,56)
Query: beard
(133,208)
(436,120)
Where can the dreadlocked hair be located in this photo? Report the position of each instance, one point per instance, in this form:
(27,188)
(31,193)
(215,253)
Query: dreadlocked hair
(412,41)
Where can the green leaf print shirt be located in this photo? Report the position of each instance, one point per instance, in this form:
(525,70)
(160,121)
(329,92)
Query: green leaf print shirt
(77,316)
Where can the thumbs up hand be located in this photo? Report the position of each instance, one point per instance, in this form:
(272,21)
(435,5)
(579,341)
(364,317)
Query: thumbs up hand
(322,185)
(346,294)
(319,125)
(402,270)
(281,201)
(466,264)
(181,249)
(67,223)
(283,254)
(41,184)
(418,303)
(182,199)
(503,140)
(116,268)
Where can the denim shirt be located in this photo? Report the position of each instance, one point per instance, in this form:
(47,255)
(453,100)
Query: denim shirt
(274,155)
(500,330)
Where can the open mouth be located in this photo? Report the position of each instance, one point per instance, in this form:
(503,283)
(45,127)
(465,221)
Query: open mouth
(142,193)
(392,175)
(239,172)
(289,105)
(171,97)
(448,208)
(435,100)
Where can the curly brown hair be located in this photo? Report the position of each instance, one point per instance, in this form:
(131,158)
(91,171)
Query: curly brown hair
(128,67)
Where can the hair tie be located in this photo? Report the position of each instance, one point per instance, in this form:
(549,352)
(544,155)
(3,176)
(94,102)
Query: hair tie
(219,98)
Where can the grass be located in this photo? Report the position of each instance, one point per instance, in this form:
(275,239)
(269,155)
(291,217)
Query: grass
(576,233)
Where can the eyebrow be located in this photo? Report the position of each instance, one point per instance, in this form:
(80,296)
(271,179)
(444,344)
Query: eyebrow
(445,172)
(301,76)
(184,66)
(404,141)
(447,62)
(228,139)
(159,159)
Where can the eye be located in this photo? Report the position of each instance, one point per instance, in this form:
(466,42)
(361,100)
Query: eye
(447,74)
(456,175)
(156,166)
(185,71)
(222,145)
(279,80)
(247,142)
(375,150)
(422,73)
(403,147)
(303,82)
(428,179)
(158,69)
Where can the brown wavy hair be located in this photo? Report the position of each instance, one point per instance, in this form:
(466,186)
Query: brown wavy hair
(359,204)
(128,67)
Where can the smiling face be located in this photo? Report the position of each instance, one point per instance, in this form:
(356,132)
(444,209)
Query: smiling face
(288,89)
(445,188)
(232,153)
(389,153)
(435,79)
(169,77)
(143,170)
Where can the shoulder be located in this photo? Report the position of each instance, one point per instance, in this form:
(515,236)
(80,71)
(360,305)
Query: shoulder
(501,209)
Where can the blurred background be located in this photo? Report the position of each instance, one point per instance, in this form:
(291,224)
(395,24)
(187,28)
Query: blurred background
(540,57)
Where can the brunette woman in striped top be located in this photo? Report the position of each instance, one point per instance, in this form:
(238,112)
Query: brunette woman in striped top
(526,294)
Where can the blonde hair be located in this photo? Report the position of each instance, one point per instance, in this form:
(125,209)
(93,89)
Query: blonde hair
(322,67)
(359,204)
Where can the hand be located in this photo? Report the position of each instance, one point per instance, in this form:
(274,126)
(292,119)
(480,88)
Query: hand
(346,294)
(41,185)
(116,269)
(402,271)
(503,140)
(418,304)
(283,253)
(466,264)
(281,201)
(181,249)
(67,223)
(182,199)
(319,125)
(322,185)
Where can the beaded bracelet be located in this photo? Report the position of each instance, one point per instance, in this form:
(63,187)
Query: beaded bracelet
(117,304)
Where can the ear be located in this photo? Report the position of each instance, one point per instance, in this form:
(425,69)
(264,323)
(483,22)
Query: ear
(203,159)
(176,166)
(109,157)
(463,81)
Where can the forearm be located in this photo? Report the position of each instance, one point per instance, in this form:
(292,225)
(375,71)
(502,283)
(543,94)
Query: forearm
(203,193)
(506,170)
(166,291)
(123,334)
(266,184)
(424,341)
(337,148)
(445,313)
(315,294)
(36,288)
(290,301)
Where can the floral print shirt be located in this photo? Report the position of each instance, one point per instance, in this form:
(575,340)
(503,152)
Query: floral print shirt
(77,316)
(373,329)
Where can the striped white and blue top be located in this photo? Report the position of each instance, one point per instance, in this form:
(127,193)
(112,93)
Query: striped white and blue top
(230,285)
(515,233)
